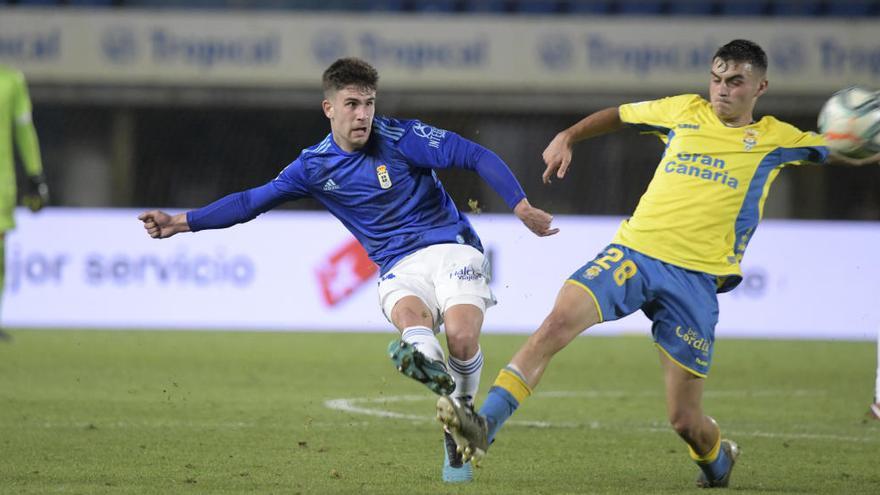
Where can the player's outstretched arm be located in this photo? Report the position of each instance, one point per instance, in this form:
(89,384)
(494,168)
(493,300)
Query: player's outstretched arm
(536,219)
(838,159)
(160,225)
(557,155)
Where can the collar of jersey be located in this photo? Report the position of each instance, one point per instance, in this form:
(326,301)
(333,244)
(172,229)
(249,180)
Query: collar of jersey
(349,153)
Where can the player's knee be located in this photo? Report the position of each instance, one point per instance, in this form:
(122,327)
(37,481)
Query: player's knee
(462,324)
(410,311)
(464,343)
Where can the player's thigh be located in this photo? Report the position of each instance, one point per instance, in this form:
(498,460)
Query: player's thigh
(575,309)
(461,281)
(406,293)
(684,315)
(613,282)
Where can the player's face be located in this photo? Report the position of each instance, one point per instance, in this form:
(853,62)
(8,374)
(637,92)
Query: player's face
(350,111)
(733,90)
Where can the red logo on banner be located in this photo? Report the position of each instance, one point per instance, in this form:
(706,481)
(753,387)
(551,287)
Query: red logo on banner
(344,270)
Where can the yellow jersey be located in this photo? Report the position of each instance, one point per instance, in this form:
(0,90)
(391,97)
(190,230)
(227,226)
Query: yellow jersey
(707,194)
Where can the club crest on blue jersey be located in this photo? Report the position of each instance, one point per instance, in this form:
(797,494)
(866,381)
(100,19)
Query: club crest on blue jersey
(384,178)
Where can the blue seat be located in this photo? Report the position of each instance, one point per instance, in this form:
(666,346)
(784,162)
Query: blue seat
(589,6)
(640,7)
(434,6)
(796,8)
(850,8)
(537,6)
(493,6)
(186,4)
(317,5)
(384,5)
(691,7)
(37,3)
(743,7)
(90,3)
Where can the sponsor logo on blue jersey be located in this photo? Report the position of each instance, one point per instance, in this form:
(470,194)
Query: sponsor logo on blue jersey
(432,134)
(330,185)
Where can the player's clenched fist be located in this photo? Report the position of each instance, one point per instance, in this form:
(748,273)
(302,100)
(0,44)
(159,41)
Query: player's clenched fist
(160,225)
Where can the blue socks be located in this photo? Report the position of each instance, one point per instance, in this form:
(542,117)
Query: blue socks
(509,390)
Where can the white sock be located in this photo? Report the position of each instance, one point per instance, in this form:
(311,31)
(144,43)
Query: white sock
(466,375)
(424,340)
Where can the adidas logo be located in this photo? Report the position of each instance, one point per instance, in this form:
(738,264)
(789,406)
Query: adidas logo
(330,185)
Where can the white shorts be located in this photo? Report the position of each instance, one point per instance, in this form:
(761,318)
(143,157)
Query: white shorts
(442,276)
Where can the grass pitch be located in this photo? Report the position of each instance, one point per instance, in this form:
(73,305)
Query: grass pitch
(227,412)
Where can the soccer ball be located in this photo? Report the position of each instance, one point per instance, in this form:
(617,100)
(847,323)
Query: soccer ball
(850,122)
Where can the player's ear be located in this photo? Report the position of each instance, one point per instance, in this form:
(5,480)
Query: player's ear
(762,87)
(328,108)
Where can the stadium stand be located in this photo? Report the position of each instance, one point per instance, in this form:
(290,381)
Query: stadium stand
(782,8)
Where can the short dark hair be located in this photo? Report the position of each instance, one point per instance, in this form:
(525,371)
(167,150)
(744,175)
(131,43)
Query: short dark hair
(349,71)
(743,51)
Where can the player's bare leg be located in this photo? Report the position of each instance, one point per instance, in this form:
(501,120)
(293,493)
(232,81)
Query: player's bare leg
(418,354)
(573,312)
(684,396)
(462,323)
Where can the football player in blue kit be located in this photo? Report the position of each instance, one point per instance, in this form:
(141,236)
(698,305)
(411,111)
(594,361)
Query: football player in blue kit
(376,175)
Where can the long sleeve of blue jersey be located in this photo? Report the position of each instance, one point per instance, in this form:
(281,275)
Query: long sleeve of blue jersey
(246,205)
(427,146)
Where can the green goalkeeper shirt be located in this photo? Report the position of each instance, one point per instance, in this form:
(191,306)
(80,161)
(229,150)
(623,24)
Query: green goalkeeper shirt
(15,125)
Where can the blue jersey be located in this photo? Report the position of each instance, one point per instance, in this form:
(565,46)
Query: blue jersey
(386,193)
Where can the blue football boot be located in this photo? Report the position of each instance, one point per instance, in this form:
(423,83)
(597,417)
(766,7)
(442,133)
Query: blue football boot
(732,450)
(455,470)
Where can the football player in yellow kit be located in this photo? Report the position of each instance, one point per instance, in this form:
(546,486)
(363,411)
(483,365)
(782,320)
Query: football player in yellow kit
(682,245)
